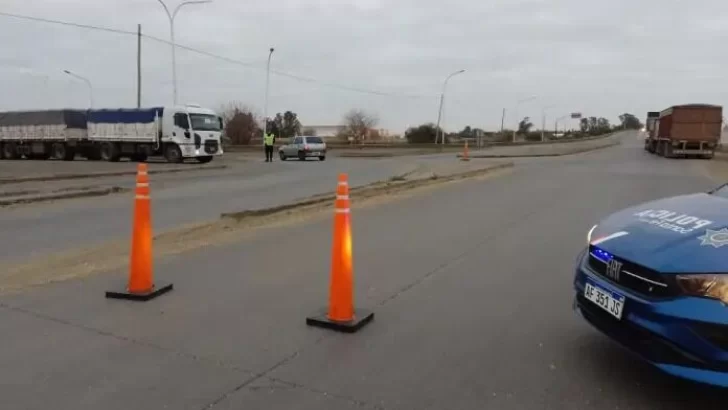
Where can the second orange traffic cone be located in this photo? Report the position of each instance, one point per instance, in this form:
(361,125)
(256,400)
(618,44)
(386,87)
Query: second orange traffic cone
(465,156)
(341,314)
(141,284)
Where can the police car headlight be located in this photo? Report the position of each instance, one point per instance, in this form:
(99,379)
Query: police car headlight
(708,286)
(589,234)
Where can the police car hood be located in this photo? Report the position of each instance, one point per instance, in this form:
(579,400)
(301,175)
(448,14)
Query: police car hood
(682,234)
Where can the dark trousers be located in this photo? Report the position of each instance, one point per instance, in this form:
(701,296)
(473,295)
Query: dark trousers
(268,153)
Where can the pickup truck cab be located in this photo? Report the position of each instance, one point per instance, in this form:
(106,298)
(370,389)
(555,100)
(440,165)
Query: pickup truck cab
(304,147)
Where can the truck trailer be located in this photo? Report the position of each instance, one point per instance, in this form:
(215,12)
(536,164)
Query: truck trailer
(176,133)
(691,130)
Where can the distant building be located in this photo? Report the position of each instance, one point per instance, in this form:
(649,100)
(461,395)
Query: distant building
(331,131)
(324,131)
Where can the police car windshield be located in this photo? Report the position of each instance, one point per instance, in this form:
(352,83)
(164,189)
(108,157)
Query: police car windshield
(721,191)
(205,122)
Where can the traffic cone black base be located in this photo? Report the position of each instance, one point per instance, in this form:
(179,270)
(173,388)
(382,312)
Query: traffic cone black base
(158,290)
(361,318)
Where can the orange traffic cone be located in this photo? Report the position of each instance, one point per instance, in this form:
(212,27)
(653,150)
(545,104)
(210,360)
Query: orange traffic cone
(465,156)
(141,283)
(341,314)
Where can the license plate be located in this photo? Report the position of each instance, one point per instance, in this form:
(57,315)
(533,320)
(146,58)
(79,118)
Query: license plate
(611,302)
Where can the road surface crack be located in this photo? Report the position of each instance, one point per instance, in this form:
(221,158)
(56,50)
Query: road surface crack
(136,342)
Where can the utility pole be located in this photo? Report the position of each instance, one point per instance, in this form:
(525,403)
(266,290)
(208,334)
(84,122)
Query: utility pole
(503,119)
(442,100)
(139,66)
(267,87)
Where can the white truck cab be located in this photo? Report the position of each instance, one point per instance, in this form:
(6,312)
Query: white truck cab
(191,131)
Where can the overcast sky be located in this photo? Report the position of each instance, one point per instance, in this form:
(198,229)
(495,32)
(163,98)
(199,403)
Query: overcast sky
(597,57)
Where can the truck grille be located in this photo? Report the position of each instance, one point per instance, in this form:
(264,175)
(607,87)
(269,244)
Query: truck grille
(632,276)
(211,147)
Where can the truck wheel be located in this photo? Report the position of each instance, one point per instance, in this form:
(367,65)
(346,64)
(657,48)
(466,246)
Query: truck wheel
(109,152)
(173,154)
(10,151)
(668,150)
(205,159)
(58,151)
(322,158)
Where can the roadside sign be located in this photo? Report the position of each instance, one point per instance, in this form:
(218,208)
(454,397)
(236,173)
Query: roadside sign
(575,115)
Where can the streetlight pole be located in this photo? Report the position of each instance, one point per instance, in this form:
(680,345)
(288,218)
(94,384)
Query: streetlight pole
(267,87)
(556,123)
(88,83)
(442,100)
(543,120)
(515,110)
(171,17)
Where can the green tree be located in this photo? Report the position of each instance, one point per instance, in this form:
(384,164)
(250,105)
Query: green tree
(467,132)
(290,125)
(603,125)
(630,122)
(525,125)
(592,124)
(422,134)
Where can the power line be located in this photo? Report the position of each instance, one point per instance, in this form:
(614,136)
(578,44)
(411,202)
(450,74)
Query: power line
(218,57)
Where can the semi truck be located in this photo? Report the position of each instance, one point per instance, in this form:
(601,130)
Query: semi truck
(691,130)
(176,133)
(651,123)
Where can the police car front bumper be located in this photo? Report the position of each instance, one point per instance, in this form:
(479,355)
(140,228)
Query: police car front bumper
(684,336)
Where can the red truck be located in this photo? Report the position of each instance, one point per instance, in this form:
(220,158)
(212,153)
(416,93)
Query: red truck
(691,130)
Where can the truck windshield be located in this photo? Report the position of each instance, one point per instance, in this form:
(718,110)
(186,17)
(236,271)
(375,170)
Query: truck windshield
(205,122)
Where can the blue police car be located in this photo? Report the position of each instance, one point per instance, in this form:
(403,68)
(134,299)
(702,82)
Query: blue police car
(654,277)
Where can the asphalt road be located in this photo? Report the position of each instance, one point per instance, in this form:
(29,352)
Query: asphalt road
(180,199)
(471,285)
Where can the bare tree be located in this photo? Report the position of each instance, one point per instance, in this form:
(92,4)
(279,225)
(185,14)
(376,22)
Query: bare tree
(359,124)
(241,124)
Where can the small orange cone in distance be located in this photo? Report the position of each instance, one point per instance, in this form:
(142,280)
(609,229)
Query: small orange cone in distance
(141,282)
(465,156)
(341,314)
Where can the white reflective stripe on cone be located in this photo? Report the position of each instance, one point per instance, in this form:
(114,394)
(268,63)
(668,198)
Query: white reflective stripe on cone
(142,184)
(142,197)
(342,211)
(343,183)
(342,197)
